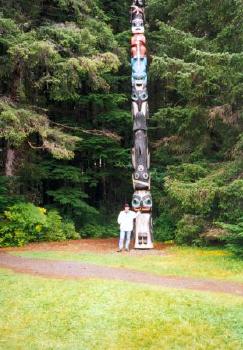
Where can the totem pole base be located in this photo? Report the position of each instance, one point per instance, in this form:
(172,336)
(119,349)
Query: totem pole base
(143,246)
(143,231)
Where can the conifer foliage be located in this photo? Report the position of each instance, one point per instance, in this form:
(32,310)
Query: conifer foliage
(196,75)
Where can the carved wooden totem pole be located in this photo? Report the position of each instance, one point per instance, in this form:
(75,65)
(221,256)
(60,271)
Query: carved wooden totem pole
(142,200)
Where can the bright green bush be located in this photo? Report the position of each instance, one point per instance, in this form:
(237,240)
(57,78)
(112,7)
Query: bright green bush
(24,222)
(54,230)
(188,230)
(69,230)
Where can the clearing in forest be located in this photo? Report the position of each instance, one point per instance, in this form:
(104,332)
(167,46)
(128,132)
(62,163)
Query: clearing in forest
(125,304)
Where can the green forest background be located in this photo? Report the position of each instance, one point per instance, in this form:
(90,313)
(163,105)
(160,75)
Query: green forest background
(66,127)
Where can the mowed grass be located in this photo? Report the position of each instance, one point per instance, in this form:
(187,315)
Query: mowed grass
(39,313)
(207,263)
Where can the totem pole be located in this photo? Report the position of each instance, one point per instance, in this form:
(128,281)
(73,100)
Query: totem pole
(142,200)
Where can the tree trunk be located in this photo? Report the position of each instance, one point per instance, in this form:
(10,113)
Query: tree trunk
(9,165)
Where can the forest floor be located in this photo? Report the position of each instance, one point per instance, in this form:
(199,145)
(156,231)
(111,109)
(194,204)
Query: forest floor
(84,295)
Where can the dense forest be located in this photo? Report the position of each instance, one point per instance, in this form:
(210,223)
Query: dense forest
(66,126)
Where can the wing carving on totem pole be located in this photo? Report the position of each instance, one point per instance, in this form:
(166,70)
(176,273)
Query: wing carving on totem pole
(142,200)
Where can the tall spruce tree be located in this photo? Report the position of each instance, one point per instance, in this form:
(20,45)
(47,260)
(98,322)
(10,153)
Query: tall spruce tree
(60,95)
(196,78)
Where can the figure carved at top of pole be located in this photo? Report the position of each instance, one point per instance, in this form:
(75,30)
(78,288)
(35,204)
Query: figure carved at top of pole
(139,3)
(142,200)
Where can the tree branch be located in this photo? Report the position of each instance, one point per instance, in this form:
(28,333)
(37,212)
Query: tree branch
(96,132)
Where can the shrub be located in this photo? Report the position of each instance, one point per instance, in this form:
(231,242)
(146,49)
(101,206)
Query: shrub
(24,222)
(69,230)
(99,231)
(230,201)
(196,198)
(54,231)
(188,230)
(164,228)
(234,238)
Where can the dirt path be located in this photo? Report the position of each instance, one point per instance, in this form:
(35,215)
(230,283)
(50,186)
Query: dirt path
(104,245)
(65,269)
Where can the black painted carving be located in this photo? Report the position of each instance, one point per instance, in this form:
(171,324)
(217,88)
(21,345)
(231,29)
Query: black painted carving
(141,177)
(140,3)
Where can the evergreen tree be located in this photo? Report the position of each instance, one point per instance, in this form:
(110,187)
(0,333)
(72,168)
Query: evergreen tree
(196,79)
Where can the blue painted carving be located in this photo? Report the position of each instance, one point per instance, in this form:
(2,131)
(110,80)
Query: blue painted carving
(139,71)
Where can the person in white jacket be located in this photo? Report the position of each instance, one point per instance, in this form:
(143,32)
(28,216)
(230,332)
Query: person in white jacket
(125,220)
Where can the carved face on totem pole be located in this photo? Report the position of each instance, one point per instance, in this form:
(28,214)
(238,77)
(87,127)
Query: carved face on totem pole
(139,60)
(138,45)
(139,79)
(140,100)
(139,69)
(140,160)
(137,26)
(137,12)
(139,122)
(142,200)
(140,3)
(137,19)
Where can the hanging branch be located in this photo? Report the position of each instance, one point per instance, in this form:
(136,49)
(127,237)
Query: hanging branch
(96,132)
(35,147)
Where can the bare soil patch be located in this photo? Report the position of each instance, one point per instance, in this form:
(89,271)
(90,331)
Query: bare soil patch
(107,245)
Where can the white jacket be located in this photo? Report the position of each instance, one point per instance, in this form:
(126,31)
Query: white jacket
(125,220)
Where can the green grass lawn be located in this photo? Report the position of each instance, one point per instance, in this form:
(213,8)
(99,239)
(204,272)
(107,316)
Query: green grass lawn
(39,313)
(181,261)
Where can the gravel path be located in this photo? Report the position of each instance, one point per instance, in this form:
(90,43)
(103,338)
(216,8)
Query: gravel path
(75,270)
